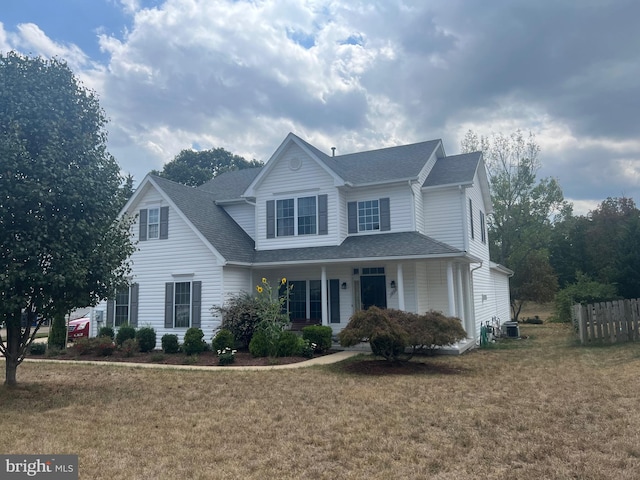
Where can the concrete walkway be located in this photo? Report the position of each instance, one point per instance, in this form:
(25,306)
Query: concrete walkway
(324,360)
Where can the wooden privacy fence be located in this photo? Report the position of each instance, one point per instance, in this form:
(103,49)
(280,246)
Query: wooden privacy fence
(615,321)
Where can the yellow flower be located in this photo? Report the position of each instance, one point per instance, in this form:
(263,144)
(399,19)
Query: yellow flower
(259,288)
(283,281)
(264,280)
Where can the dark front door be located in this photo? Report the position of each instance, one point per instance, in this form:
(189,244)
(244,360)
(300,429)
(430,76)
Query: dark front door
(373,291)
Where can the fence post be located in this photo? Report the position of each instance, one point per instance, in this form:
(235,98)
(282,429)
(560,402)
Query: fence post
(582,327)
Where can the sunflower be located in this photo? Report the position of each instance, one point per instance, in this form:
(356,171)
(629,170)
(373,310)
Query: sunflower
(264,280)
(283,281)
(259,289)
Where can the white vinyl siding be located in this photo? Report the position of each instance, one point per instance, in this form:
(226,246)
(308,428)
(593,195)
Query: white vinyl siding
(400,210)
(476,246)
(282,183)
(444,216)
(182,257)
(245,216)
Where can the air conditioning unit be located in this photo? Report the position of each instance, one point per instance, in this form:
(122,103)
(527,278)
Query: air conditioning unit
(510,330)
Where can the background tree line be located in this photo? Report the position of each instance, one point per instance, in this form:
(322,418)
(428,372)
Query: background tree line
(533,231)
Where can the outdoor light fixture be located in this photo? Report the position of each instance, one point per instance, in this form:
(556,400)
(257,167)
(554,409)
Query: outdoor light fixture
(344,285)
(393,284)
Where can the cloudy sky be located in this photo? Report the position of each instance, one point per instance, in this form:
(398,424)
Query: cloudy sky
(357,75)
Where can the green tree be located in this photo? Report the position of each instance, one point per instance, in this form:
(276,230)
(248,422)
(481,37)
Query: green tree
(62,243)
(194,168)
(524,208)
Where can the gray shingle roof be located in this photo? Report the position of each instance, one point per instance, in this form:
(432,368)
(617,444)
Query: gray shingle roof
(230,185)
(220,230)
(386,245)
(453,170)
(383,165)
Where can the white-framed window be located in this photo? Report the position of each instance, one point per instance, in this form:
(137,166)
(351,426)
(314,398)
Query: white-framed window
(153,223)
(122,307)
(182,305)
(307,215)
(304,210)
(368,215)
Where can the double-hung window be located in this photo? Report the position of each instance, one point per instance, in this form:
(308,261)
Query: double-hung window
(286,217)
(122,307)
(153,223)
(368,215)
(289,217)
(182,304)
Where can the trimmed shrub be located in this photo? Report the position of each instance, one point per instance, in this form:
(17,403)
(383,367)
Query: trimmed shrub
(129,347)
(37,348)
(224,339)
(125,332)
(146,337)
(261,345)
(169,343)
(428,331)
(83,346)
(58,332)
(377,327)
(320,335)
(306,348)
(288,344)
(241,316)
(106,332)
(103,346)
(226,356)
(193,341)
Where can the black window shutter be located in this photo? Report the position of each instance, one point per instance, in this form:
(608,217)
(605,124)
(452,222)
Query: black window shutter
(323,214)
(168,305)
(352,214)
(143,225)
(334,300)
(196,304)
(133,301)
(271,218)
(385,215)
(164,223)
(111,312)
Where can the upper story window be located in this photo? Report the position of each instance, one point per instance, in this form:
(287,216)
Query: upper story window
(301,216)
(369,215)
(286,217)
(483,228)
(471,218)
(154,223)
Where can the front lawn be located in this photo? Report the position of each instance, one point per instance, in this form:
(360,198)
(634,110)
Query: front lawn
(544,409)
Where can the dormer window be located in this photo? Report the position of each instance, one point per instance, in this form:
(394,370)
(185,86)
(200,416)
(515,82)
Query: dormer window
(369,216)
(153,223)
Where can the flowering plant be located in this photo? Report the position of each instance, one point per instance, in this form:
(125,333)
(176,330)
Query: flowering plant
(272,302)
(226,356)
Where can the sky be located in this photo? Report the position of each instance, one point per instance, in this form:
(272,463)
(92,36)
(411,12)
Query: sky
(355,75)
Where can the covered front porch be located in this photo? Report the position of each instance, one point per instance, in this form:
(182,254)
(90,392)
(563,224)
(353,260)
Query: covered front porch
(328,293)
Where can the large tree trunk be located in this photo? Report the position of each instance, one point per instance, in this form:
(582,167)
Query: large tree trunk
(14,334)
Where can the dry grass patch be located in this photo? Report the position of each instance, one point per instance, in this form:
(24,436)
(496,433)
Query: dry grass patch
(542,409)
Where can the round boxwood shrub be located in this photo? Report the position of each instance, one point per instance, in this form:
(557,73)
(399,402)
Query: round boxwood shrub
(146,337)
(193,342)
(261,345)
(37,348)
(125,332)
(288,344)
(169,343)
(106,332)
(223,339)
(320,335)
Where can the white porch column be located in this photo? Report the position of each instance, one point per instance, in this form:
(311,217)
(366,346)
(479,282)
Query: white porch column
(324,296)
(460,296)
(451,294)
(400,287)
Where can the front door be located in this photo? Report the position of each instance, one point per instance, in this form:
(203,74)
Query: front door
(373,291)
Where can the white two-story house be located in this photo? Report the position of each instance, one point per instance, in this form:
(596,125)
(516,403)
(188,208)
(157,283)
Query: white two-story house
(401,227)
